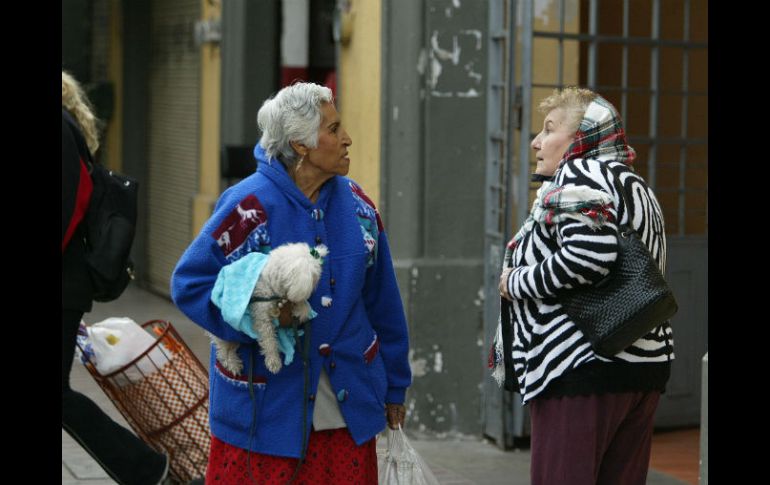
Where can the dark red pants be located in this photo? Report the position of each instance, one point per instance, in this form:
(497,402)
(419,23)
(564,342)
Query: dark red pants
(332,458)
(592,440)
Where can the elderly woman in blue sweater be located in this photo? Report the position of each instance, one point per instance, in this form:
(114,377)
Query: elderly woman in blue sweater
(316,419)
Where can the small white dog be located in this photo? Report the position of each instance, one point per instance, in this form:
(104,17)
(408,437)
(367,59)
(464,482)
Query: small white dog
(290,274)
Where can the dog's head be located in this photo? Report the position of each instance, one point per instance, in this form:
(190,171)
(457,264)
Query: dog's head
(298,269)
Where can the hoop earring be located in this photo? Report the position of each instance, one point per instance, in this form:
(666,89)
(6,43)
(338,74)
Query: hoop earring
(299,163)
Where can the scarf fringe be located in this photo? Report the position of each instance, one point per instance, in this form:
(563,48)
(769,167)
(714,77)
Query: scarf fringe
(499,374)
(496,359)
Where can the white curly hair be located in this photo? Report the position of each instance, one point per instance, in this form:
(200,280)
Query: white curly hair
(292,115)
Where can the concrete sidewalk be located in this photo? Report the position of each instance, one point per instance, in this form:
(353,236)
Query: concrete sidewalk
(455,460)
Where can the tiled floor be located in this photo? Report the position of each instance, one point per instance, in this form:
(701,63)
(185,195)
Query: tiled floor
(677,453)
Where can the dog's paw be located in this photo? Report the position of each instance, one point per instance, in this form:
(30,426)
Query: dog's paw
(232,364)
(273,363)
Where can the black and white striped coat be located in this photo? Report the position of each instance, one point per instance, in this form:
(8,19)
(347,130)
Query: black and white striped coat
(552,258)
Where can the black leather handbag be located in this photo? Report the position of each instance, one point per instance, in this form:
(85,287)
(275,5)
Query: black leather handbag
(631,301)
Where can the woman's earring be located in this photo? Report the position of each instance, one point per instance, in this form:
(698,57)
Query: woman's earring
(299,164)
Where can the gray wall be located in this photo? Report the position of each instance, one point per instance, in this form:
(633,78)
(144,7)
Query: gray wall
(687,275)
(433,182)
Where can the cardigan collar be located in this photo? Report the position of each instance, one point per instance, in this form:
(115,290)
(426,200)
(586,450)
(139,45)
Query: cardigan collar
(273,169)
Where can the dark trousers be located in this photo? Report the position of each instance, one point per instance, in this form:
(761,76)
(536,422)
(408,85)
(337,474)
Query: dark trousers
(592,440)
(125,458)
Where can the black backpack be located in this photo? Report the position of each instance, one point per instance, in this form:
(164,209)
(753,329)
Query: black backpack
(110,224)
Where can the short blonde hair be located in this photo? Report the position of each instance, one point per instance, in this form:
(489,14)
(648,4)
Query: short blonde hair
(573,100)
(74,100)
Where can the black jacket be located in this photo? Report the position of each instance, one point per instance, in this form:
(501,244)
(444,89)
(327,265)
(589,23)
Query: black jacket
(75,281)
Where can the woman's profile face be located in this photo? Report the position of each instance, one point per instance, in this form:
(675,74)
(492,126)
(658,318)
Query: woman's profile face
(552,142)
(331,154)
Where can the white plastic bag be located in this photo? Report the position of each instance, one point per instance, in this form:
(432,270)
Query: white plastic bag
(400,464)
(116,342)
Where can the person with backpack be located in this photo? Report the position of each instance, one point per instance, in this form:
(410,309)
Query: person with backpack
(125,458)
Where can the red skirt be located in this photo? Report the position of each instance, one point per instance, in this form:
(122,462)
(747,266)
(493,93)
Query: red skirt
(332,458)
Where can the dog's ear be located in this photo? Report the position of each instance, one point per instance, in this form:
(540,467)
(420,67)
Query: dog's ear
(300,285)
(297,278)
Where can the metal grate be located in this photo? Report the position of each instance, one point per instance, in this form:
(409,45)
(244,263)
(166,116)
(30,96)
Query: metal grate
(665,120)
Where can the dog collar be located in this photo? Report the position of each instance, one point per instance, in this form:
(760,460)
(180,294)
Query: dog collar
(316,254)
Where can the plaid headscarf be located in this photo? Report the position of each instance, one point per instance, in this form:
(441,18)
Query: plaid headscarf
(601,136)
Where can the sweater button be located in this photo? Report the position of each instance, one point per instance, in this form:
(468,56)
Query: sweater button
(342,395)
(333,364)
(318,239)
(332,281)
(324,349)
(311,397)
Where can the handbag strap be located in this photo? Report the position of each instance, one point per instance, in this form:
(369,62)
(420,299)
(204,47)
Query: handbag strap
(619,187)
(622,191)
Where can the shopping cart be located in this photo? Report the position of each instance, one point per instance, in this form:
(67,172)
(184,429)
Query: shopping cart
(163,394)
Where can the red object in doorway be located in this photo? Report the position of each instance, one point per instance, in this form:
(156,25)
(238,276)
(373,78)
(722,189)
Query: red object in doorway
(292,74)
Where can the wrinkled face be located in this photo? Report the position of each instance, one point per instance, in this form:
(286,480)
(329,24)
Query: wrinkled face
(551,143)
(331,154)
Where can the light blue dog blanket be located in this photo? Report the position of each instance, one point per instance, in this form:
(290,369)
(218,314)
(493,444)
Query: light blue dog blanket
(232,292)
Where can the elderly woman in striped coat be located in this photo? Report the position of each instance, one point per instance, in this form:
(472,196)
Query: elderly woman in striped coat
(591,416)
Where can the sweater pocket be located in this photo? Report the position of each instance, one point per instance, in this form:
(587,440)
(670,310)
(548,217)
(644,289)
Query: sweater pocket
(376,369)
(230,397)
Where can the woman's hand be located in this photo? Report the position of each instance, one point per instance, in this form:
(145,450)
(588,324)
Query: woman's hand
(503,286)
(284,317)
(395,414)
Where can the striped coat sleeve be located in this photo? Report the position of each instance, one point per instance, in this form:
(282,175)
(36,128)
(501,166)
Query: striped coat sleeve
(585,254)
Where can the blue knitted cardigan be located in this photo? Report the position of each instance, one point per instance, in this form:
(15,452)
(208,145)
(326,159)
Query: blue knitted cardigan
(359,336)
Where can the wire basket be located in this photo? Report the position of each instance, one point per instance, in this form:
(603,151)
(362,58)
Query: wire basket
(166,403)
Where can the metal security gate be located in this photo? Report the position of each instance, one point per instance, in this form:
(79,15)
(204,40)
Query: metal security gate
(652,65)
(174,92)
(503,416)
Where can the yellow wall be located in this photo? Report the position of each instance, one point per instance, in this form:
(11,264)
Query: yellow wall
(208,183)
(359,91)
